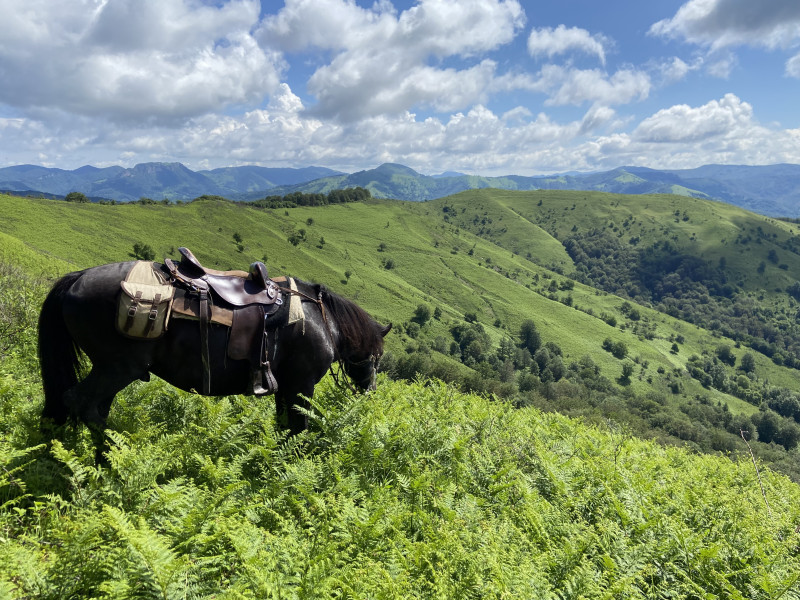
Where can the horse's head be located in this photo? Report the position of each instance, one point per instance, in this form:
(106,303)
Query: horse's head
(362,370)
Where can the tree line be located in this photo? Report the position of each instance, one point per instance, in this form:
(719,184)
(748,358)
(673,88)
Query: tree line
(356,194)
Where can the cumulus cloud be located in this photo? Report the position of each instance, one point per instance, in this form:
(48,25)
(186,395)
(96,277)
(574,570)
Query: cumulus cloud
(793,66)
(566,85)
(597,117)
(477,140)
(208,84)
(675,69)
(682,123)
(162,60)
(561,40)
(722,23)
(382,60)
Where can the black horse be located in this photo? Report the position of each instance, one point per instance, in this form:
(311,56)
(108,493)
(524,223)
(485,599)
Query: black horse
(78,318)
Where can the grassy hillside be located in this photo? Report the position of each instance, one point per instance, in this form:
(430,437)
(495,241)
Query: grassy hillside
(499,258)
(414,491)
(417,490)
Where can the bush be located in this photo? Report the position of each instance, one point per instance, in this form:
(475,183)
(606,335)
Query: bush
(76,197)
(422,314)
(143,252)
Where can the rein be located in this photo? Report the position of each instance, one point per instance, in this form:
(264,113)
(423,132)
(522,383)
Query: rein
(337,355)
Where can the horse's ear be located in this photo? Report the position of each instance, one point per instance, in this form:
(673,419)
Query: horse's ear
(385,330)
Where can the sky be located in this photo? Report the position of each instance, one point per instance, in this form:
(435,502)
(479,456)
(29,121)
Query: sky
(488,87)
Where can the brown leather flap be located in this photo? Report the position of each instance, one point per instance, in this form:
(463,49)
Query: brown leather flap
(247,329)
(189,308)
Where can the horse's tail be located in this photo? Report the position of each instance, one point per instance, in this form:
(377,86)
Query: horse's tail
(59,357)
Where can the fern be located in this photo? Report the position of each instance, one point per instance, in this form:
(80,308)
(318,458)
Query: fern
(151,562)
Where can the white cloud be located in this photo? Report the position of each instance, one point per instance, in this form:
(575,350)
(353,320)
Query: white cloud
(155,60)
(721,64)
(207,84)
(326,24)
(597,117)
(476,141)
(382,62)
(576,86)
(793,66)
(561,40)
(682,123)
(721,23)
(676,69)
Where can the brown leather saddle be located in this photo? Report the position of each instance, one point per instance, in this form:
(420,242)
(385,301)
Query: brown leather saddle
(251,296)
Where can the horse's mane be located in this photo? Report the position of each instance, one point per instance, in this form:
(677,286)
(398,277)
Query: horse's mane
(360,334)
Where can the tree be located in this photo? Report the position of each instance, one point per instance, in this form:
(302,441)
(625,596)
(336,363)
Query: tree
(768,425)
(76,197)
(748,363)
(422,314)
(726,355)
(529,337)
(143,252)
(627,371)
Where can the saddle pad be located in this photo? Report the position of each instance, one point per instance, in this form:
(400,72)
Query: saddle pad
(185,307)
(144,302)
(296,313)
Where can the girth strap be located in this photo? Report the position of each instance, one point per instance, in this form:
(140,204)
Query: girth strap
(205,318)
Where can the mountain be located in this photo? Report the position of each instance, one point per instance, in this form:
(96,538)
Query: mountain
(247,179)
(153,180)
(772,190)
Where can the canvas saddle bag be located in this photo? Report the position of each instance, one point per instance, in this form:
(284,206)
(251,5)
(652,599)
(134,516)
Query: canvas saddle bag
(144,302)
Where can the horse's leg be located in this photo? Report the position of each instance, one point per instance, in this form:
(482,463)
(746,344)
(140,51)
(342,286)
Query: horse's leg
(286,401)
(90,400)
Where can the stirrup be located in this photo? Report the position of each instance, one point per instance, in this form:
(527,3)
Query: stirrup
(261,377)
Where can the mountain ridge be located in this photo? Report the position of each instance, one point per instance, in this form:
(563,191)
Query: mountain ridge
(771,190)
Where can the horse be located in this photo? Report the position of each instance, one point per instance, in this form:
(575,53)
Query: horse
(77,320)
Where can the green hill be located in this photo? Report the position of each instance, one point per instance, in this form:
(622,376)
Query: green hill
(669,314)
(421,490)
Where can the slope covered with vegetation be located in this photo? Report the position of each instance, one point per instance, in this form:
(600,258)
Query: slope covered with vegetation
(414,491)
(419,489)
(487,291)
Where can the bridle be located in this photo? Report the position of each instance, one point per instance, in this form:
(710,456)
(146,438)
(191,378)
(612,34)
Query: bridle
(372,358)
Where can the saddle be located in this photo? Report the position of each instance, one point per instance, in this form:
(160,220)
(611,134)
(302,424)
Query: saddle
(249,297)
(236,288)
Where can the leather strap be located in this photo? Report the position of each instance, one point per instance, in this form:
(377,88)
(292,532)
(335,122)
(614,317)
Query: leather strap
(152,315)
(132,310)
(205,323)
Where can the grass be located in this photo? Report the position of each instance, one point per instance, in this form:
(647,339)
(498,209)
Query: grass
(503,276)
(414,491)
(432,259)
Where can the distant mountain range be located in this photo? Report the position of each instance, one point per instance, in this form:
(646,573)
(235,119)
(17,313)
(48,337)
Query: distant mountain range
(772,190)
(155,180)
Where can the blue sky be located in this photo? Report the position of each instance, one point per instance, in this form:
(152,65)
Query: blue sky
(478,86)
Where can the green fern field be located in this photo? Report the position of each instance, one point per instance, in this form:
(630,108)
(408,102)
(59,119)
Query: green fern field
(464,475)
(415,491)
